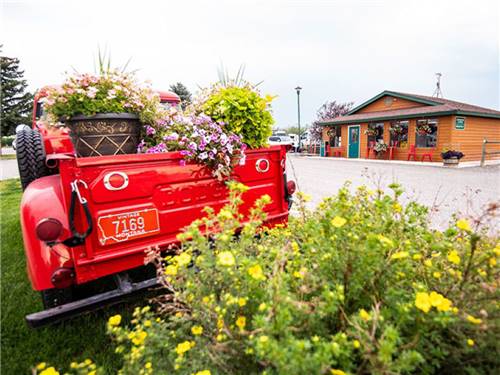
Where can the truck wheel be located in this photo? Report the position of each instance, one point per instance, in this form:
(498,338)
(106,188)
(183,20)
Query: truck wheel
(56,297)
(30,156)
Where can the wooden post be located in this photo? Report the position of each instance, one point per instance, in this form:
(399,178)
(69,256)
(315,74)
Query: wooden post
(483,154)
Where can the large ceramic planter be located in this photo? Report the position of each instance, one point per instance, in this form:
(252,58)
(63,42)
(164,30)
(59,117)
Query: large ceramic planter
(105,134)
(451,162)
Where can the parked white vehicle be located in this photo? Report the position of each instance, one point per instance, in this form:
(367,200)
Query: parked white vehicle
(280,140)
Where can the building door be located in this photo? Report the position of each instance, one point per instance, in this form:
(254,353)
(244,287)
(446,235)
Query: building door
(353,144)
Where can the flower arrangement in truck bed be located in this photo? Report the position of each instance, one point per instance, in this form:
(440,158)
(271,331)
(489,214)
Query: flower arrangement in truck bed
(216,129)
(109,91)
(198,138)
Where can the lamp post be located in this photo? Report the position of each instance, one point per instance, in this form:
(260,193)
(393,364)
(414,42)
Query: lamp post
(298,88)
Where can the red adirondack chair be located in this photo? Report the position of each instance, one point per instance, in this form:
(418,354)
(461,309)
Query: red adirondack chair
(428,154)
(412,152)
(369,148)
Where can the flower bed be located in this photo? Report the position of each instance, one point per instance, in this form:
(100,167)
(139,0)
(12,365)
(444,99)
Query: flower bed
(360,285)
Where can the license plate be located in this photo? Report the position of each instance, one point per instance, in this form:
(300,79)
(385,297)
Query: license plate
(126,226)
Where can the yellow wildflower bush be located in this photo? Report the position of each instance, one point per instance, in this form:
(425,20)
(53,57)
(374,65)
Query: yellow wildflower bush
(347,288)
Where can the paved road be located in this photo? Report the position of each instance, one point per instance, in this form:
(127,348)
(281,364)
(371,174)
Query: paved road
(464,190)
(8,169)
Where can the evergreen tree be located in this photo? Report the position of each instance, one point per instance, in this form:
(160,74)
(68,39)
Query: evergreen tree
(183,93)
(16,102)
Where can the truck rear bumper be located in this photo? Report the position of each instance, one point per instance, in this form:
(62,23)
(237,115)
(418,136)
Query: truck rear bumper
(57,314)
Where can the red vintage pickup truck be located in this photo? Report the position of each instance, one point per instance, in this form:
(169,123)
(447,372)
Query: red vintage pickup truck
(89,220)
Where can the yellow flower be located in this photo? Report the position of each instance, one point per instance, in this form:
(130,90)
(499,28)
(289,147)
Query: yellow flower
(338,221)
(385,241)
(115,320)
(464,225)
(356,344)
(363,314)
(295,246)
(417,256)
(147,323)
(423,302)
(436,274)
(148,365)
(139,337)
(263,339)
(41,366)
(453,257)
(428,262)
(301,273)
(337,372)
(197,330)
(226,258)
(242,301)
(492,262)
(473,320)
(470,342)
(49,371)
(171,270)
(183,260)
(203,372)
(262,306)
(241,322)
(440,302)
(399,255)
(183,347)
(256,272)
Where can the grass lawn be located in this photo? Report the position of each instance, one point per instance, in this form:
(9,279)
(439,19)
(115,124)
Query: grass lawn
(22,347)
(7,157)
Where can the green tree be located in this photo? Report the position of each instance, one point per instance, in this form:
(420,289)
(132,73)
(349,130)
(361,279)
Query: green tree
(183,93)
(16,102)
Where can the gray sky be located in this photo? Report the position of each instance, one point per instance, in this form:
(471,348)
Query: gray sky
(335,50)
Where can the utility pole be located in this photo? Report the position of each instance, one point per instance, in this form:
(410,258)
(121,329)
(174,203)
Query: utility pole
(437,92)
(298,88)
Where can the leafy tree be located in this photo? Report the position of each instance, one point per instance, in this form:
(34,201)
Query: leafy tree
(328,111)
(183,93)
(16,102)
(294,129)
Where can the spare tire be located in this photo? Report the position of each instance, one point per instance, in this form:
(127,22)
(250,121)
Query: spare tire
(30,154)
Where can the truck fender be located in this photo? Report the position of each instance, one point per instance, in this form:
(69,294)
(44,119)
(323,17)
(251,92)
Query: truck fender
(43,199)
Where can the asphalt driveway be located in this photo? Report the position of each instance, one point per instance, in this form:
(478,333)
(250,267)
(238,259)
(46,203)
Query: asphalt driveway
(465,191)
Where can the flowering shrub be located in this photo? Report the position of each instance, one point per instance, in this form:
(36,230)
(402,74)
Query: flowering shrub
(360,285)
(109,92)
(197,137)
(242,108)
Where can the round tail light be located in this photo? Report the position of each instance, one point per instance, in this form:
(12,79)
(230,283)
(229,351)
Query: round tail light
(49,229)
(62,277)
(291,187)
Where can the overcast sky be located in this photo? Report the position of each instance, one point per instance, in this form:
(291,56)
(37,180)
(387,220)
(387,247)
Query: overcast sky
(336,50)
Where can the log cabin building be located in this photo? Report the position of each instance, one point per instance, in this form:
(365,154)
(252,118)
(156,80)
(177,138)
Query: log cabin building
(413,127)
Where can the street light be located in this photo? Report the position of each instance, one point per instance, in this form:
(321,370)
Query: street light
(298,88)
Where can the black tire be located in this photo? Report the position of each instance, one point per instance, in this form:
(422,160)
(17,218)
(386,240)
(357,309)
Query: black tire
(56,297)
(30,154)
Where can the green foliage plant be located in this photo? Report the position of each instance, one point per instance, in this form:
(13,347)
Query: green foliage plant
(242,109)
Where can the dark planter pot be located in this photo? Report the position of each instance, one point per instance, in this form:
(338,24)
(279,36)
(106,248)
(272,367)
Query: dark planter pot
(451,162)
(105,134)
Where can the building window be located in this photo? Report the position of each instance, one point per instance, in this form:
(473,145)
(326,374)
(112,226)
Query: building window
(399,133)
(334,133)
(426,133)
(375,132)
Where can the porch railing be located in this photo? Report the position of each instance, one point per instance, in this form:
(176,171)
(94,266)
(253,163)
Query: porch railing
(484,152)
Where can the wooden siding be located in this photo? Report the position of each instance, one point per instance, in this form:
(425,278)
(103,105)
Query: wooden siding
(470,140)
(398,103)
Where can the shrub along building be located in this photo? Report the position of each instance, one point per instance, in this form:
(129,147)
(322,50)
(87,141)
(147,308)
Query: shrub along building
(414,127)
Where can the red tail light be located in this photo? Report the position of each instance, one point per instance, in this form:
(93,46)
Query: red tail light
(62,277)
(291,187)
(49,229)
